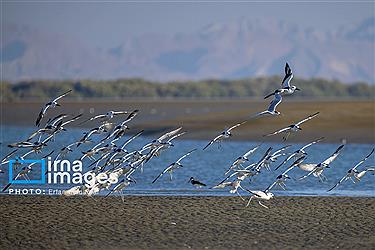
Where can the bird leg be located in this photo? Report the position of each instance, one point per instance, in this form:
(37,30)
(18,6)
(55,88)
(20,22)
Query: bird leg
(248,203)
(260,203)
(240,196)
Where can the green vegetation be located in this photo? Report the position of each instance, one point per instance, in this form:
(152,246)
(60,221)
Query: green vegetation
(125,88)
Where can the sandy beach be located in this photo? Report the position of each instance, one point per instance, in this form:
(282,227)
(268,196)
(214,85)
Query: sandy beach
(42,222)
(353,120)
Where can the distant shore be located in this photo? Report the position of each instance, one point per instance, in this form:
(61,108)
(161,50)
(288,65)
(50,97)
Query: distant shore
(203,119)
(42,222)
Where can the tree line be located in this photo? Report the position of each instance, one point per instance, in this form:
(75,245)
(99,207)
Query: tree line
(140,88)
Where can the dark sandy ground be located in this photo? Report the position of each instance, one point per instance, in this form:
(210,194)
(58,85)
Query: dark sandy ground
(203,119)
(42,222)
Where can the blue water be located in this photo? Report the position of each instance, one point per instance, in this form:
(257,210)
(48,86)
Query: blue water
(209,166)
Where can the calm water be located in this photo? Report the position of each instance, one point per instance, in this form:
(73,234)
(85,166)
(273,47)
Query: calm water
(209,166)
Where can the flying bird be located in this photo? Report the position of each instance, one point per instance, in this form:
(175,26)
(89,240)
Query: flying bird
(317,169)
(300,152)
(175,165)
(52,104)
(351,172)
(286,88)
(272,107)
(223,135)
(293,127)
(260,195)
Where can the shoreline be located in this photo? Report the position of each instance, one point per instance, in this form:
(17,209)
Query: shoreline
(186,222)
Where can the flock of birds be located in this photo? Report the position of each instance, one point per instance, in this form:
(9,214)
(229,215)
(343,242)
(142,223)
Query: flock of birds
(110,156)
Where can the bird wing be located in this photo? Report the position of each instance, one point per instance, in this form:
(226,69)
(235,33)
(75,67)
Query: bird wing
(295,163)
(61,96)
(120,112)
(169,134)
(338,183)
(237,125)
(71,120)
(131,139)
(41,115)
(251,151)
(185,155)
(270,186)
(286,160)
(307,118)
(363,160)
(330,159)
(175,136)
(130,117)
(312,143)
(278,131)
(288,76)
(164,171)
(212,141)
(281,149)
(307,166)
(276,101)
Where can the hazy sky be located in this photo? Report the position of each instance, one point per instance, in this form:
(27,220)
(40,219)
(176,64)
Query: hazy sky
(106,24)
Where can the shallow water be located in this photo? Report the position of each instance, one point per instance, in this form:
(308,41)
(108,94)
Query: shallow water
(209,166)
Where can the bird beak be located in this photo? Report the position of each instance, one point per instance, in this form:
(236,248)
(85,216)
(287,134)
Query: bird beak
(298,89)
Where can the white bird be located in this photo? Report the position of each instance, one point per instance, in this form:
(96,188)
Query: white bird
(107,116)
(351,172)
(270,158)
(241,159)
(317,169)
(175,165)
(223,135)
(260,195)
(52,104)
(358,176)
(124,183)
(280,179)
(234,187)
(272,107)
(300,152)
(293,127)
(286,88)
(164,139)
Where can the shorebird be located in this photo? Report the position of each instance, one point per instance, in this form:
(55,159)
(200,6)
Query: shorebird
(358,176)
(107,116)
(352,172)
(175,165)
(317,169)
(52,104)
(223,135)
(120,129)
(260,195)
(272,107)
(270,158)
(234,187)
(293,127)
(280,179)
(196,183)
(164,139)
(286,88)
(300,152)
(124,183)
(242,159)
(87,135)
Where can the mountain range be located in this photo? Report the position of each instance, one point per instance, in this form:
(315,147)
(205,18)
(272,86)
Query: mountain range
(231,50)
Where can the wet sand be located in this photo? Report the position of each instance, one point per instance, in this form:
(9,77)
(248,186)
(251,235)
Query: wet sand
(203,119)
(42,222)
